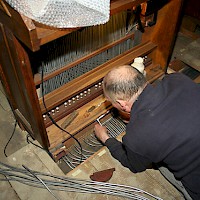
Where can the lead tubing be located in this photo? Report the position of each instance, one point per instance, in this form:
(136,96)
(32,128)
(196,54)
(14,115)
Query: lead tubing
(68,184)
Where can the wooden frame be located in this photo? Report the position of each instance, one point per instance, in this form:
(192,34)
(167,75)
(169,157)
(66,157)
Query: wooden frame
(20,35)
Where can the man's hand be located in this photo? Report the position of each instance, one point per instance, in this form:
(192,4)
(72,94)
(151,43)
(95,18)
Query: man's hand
(101,132)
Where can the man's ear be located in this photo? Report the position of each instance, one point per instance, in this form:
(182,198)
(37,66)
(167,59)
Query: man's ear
(122,104)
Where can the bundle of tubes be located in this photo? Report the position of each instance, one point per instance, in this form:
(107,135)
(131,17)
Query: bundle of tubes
(60,183)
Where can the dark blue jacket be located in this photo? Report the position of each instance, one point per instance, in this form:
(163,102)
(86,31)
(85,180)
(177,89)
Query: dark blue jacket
(164,128)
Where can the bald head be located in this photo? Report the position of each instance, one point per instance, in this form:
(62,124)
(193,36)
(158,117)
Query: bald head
(123,82)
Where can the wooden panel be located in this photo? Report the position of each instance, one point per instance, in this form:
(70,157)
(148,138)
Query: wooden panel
(84,118)
(117,5)
(164,32)
(19,80)
(22,27)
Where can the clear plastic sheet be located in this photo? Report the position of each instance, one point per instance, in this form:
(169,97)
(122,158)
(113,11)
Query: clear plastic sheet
(64,13)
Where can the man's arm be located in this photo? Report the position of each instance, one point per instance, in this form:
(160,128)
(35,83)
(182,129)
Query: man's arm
(133,161)
(129,159)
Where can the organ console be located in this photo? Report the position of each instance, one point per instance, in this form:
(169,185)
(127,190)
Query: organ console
(53,77)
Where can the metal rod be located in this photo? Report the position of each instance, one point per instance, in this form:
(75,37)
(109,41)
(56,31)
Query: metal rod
(43,183)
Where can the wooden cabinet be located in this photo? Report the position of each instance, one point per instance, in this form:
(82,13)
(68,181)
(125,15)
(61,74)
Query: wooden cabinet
(25,43)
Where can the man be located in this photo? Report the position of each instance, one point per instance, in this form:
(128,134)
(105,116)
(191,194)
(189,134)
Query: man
(164,126)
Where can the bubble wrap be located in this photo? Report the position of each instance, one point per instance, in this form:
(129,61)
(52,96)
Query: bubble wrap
(64,13)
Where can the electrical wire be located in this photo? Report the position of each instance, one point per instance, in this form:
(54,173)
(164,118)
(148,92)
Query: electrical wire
(53,121)
(10,139)
(4,151)
(29,141)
